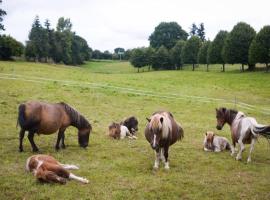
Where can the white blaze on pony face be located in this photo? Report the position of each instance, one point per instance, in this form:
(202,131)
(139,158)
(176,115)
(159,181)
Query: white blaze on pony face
(154,140)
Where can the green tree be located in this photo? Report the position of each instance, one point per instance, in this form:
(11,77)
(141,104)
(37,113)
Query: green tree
(80,50)
(215,52)
(161,59)
(201,32)
(138,58)
(167,34)
(193,30)
(237,44)
(63,24)
(150,53)
(190,51)
(259,51)
(9,47)
(2,14)
(175,53)
(203,53)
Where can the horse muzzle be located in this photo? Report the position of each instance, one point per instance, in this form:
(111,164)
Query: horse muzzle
(84,145)
(219,127)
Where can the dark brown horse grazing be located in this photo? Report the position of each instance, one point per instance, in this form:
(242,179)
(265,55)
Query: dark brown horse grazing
(161,132)
(45,118)
(244,130)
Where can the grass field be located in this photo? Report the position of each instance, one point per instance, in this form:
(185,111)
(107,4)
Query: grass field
(110,91)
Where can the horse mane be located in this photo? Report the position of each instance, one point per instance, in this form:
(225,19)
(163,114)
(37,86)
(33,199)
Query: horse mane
(76,118)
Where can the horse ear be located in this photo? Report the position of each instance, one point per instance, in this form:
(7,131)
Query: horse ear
(224,110)
(206,133)
(161,120)
(148,119)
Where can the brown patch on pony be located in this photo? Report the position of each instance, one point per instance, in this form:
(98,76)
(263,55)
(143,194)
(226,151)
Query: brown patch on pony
(114,130)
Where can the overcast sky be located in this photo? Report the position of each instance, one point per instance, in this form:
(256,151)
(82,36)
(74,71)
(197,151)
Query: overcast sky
(107,24)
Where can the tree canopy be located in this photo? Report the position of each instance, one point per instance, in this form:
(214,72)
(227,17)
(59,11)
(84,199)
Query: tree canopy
(167,34)
(237,44)
(259,51)
(9,47)
(202,55)
(176,54)
(2,14)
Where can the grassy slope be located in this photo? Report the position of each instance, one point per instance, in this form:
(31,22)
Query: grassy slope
(123,169)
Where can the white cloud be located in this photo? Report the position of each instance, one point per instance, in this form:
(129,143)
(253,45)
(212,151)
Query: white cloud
(109,24)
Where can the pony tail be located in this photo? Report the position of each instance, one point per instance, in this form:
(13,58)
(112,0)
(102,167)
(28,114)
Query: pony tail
(21,116)
(262,130)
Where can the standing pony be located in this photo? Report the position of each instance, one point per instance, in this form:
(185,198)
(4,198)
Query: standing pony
(244,130)
(45,118)
(161,132)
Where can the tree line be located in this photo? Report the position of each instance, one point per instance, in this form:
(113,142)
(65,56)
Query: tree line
(171,47)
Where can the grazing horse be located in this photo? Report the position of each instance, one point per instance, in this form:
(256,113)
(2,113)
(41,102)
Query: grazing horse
(118,131)
(131,123)
(244,130)
(215,143)
(45,118)
(47,169)
(161,132)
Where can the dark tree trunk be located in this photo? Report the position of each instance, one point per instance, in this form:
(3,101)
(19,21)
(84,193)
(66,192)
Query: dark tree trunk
(251,67)
(193,67)
(149,68)
(267,67)
(207,67)
(242,67)
(223,67)
(138,70)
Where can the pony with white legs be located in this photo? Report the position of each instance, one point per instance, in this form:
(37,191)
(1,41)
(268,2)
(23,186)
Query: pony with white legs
(161,132)
(47,169)
(244,130)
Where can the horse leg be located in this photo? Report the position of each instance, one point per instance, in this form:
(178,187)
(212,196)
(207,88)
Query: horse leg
(59,137)
(22,132)
(166,155)
(232,149)
(242,147)
(251,149)
(31,140)
(162,157)
(157,153)
(63,141)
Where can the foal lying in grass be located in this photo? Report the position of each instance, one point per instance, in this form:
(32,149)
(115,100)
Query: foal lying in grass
(215,143)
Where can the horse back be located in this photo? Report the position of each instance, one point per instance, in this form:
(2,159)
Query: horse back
(177,132)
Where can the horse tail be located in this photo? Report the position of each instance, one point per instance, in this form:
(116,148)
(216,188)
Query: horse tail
(21,116)
(262,130)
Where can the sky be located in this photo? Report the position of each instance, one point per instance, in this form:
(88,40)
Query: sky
(107,24)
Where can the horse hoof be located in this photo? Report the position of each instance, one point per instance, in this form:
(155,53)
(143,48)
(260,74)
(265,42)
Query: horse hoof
(248,160)
(35,150)
(239,159)
(20,150)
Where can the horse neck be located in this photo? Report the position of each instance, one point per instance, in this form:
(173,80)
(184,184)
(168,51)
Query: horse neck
(230,116)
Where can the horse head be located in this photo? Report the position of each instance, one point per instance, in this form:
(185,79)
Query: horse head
(209,138)
(83,132)
(114,130)
(155,130)
(221,117)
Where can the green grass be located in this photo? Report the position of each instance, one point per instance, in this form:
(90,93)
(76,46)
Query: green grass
(109,91)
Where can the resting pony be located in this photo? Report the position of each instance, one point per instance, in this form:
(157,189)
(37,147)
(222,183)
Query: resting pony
(131,123)
(161,132)
(244,130)
(215,143)
(46,118)
(47,169)
(118,131)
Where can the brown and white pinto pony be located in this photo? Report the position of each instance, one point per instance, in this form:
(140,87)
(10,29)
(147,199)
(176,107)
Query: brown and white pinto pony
(244,130)
(161,132)
(46,118)
(215,143)
(118,131)
(47,169)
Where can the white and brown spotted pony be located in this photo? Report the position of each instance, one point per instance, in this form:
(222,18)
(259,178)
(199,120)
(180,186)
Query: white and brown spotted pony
(244,130)
(161,132)
(47,169)
(213,142)
(118,131)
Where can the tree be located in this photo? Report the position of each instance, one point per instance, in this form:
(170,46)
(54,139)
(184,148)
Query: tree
(80,50)
(161,59)
(63,24)
(215,55)
(237,44)
(2,14)
(9,47)
(193,30)
(190,51)
(203,53)
(120,52)
(150,53)
(176,54)
(97,54)
(259,51)
(201,32)
(167,34)
(138,58)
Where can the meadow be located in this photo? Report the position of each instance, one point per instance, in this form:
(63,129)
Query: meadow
(110,91)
